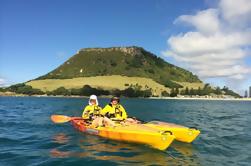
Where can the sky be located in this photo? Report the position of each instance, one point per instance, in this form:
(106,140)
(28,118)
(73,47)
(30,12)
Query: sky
(211,38)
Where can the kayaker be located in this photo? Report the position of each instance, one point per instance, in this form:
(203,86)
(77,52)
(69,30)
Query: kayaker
(114,110)
(92,113)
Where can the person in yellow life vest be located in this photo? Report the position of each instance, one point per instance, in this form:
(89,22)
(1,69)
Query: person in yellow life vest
(92,113)
(114,110)
(93,109)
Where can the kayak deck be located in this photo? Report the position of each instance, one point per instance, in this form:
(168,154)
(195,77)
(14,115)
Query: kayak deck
(181,133)
(136,133)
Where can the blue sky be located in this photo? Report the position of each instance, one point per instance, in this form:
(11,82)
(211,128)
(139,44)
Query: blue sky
(38,35)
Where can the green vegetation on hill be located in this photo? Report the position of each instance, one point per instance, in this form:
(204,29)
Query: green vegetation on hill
(206,90)
(124,61)
(3,89)
(84,91)
(229,92)
(24,89)
(88,90)
(131,91)
(123,71)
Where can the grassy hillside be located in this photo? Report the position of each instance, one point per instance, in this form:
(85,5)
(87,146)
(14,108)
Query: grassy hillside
(124,61)
(103,82)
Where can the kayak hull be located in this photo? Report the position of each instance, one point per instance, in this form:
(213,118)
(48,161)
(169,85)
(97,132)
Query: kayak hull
(136,133)
(181,133)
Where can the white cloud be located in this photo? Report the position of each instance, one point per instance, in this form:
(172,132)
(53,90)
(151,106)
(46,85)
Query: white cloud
(216,47)
(236,12)
(197,43)
(3,82)
(201,19)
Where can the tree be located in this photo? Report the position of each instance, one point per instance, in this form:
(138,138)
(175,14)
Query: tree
(116,92)
(218,91)
(199,92)
(147,93)
(87,90)
(177,91)
(186,91)
(76,92)
(151,71)
(207,89)
(24,89)
(14,88)
(61,91)
(136,62)
(165,94)
(173,93)
(225,88)
(192,92)
(129,92)
(230,92)
(182,92)
(3,89)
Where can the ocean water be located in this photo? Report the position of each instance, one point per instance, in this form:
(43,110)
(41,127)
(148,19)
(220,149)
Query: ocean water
(28,137)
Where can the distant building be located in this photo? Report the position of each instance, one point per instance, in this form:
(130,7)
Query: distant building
(250,91)
(246,94)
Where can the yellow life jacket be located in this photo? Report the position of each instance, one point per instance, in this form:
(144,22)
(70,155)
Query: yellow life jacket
(116,112)
(90,111)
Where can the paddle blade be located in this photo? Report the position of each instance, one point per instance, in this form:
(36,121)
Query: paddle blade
(60,118)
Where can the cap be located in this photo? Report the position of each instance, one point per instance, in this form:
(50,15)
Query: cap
(115,98)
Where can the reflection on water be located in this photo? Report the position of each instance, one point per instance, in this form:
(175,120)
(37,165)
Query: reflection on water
(185,149)
(58,153)
(61,138)
(123,153)
(224,140)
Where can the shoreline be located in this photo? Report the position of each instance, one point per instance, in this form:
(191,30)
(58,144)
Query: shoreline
(200,98)
(154,98)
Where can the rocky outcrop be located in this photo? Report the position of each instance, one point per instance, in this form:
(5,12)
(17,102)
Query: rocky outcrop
(133,50)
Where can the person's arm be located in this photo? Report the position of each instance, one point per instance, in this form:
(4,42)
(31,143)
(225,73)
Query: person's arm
(100,111)
(105,110)
(86,112)
(124,114)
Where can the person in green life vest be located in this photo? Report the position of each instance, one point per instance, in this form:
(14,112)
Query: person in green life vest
(114,110)
(92,113)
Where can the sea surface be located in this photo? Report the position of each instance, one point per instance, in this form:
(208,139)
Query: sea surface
(28,137)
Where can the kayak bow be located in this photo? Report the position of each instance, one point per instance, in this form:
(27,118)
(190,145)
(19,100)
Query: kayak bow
(181,133)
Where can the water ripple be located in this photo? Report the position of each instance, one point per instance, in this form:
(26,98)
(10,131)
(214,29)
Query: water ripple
(28,137)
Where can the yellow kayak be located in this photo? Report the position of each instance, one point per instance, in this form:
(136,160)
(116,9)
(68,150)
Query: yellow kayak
(181,133)
(136,133)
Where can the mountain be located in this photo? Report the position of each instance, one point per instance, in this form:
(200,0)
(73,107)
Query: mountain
(124,61)
(127,71)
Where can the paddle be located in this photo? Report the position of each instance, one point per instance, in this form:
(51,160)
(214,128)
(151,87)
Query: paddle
(135,118)
(62,118)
